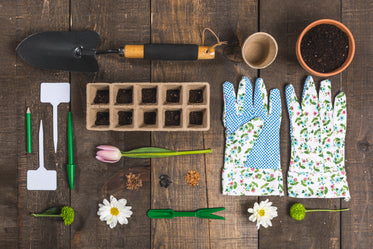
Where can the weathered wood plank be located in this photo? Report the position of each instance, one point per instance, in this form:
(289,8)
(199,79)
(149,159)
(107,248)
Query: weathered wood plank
(285,20)
(118,23)
(178,22)
(40,233)
(236,231)
(357,225)
(8,135)
(183,22)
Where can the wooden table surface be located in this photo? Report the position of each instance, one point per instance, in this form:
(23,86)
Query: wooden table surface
(171,21)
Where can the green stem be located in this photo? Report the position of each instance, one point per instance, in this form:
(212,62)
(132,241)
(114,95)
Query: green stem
(326,210)
(46,215)
(175,153)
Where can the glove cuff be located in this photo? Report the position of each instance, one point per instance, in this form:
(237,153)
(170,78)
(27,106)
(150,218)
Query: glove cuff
(252,182)
(318,185)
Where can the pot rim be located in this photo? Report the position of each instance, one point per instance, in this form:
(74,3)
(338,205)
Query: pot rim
(351,51)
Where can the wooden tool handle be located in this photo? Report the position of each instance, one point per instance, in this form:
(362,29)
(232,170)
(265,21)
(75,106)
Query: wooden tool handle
(169,52)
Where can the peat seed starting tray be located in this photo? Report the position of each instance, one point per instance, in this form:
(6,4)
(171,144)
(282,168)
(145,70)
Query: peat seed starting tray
(182,106)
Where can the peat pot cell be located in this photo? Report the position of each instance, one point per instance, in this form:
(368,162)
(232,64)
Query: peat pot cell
(124,96)
(196,118)
(173,96)
(196,96)
(102,97)
(125,117)
(102,118)
(149,95)
(150,118)
(172,118)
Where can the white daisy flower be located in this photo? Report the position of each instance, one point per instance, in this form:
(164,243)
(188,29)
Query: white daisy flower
(263,213)
(114,211)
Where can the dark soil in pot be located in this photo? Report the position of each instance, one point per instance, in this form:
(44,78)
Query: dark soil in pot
(324,48)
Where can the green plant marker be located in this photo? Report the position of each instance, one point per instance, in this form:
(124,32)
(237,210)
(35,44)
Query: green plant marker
(28,128)
(70,165)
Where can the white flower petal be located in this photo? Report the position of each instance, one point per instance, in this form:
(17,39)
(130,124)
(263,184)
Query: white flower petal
(106,202)
(104,211)
(269,213)
(122,202)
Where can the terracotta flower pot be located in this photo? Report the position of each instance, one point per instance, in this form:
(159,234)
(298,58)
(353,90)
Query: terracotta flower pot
(351,48)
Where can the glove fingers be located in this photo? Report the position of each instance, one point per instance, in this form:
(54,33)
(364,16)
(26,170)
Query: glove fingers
(340,115)
(230,106)
(292,102)
(245,98)
(275,103)
(309,97)
(260,98)
(325,100)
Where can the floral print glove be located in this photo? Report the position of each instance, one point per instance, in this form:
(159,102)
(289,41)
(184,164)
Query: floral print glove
(252,152)
(317,143)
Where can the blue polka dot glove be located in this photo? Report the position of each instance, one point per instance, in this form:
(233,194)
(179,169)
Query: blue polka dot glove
(252,151)
(317,143)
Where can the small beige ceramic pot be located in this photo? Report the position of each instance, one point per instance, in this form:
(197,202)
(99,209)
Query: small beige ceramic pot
(259,50)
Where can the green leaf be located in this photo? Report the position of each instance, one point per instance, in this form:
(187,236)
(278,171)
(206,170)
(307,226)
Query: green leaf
(303,130)
(254,183)
(53,210)
(311,191)
(235,185)
(265,185)
(239,150)
(329,153)
(326,190)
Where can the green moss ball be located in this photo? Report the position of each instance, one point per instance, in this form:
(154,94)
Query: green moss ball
(297,211)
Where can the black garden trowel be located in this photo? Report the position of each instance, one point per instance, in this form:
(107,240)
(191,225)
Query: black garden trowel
(75,51)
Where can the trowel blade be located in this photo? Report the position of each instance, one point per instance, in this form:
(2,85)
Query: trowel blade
(60,50)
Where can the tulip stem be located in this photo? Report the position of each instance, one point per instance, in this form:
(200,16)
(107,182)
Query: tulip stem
(166,154)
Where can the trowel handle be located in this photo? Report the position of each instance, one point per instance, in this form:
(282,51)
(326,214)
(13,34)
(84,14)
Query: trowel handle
(169,52)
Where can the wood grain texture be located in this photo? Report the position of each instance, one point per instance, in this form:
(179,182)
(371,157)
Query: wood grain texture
(118,23)
(8,135)
(317,230)
(357,225)
(236,231)
(34,232)
(170,21)
(183,21)
(178,22)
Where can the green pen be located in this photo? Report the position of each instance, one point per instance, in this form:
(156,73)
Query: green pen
(70,165)
(28,128)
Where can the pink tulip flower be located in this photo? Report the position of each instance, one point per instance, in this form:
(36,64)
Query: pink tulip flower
(108,154)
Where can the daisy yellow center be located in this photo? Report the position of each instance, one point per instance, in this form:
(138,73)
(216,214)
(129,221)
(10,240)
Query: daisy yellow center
(261,212)
(114,211)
